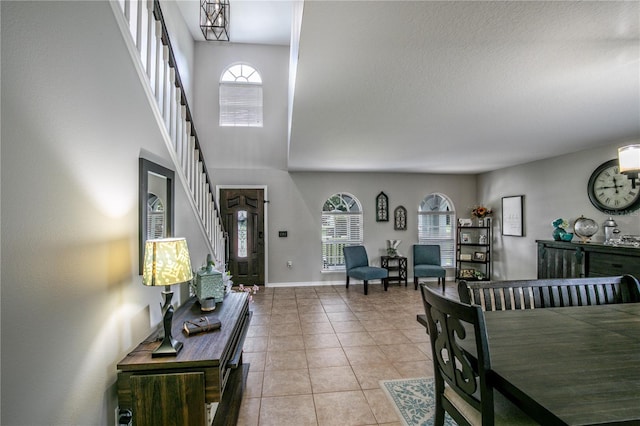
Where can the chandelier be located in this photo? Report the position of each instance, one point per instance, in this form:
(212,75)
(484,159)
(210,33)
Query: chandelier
(214,19)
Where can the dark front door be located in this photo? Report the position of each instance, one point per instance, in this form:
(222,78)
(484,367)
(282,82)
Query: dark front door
(243,213)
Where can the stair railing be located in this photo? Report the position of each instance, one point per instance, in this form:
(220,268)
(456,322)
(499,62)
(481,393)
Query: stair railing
(147,40)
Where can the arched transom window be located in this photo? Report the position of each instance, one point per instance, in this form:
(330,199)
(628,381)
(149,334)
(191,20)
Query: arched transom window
(341,226)
(241,97)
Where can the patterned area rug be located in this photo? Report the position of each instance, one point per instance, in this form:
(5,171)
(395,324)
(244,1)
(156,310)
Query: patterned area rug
(414,400)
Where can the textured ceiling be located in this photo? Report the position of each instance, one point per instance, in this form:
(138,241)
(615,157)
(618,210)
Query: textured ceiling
(460,87)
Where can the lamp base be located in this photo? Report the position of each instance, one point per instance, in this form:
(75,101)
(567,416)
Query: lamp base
(169,345)
(167,348)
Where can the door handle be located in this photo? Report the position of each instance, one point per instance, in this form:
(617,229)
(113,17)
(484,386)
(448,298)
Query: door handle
(260,234)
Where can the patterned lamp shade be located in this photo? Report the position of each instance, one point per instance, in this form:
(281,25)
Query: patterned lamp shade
(166,262)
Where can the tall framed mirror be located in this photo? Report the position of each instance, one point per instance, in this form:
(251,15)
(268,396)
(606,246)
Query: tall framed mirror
(155,204)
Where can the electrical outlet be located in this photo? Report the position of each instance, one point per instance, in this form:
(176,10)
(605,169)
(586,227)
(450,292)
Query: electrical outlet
(289,264)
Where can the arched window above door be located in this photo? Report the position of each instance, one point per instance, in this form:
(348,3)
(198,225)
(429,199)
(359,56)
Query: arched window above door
(241,96)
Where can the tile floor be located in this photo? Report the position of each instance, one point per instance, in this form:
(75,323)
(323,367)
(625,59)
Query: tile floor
(318,353)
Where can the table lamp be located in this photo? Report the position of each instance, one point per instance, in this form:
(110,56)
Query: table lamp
(166,262)
(629,160)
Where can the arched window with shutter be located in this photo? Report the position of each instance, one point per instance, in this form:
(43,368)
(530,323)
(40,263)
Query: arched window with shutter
(341,226)
(436,225)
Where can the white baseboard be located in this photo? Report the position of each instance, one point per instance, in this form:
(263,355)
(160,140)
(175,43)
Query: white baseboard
(319,283)
(341,282)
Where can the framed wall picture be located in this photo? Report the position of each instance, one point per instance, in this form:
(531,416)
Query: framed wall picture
(480,256)
(465,256)
(465,222)
(513,216)
(467,273)
(400,219)
(382,207)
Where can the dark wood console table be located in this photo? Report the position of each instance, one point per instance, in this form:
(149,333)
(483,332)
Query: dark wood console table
(559,259)
(181,389)
(396,267)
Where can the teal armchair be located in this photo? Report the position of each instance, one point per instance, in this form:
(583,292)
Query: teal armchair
(426,263)
(357,266)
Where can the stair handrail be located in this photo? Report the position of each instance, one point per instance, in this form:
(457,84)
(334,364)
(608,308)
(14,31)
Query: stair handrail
(175,119)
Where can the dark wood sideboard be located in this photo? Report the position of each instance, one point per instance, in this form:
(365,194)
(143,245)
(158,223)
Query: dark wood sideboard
(559,259)
(179,390)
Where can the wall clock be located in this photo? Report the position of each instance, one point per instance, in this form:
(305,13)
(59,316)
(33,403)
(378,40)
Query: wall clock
(610,191)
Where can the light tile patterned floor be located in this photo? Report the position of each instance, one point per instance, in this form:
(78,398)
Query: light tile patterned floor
(318,353)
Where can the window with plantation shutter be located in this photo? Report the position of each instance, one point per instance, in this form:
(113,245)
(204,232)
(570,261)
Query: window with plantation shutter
(241,97)
(341,226)
(436,225)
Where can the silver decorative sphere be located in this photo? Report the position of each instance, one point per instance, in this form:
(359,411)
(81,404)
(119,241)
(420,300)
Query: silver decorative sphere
(585,228)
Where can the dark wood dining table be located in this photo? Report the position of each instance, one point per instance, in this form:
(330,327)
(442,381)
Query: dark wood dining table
(569,366)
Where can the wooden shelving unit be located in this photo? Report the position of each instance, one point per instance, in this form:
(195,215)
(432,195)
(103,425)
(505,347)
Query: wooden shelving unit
(473,252)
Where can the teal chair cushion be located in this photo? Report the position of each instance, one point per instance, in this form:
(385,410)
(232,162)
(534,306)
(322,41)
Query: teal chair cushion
(426,261)
(367,273)
(426,254)
(428,271)
(357,266)
(355,256)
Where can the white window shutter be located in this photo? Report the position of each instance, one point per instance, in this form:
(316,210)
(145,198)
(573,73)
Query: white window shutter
(241,104)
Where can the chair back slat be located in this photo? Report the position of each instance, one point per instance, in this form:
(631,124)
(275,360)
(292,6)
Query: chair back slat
(549,293)
(450,323)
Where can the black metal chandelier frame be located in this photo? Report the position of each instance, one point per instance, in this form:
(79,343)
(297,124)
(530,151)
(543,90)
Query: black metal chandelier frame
(214,19)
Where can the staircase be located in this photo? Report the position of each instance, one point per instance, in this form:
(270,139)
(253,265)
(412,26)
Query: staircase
(147,39)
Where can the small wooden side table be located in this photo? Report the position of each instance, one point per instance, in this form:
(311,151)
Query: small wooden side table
(397,267)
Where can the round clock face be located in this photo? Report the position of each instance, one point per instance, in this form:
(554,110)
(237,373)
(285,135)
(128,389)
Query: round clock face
(610,191)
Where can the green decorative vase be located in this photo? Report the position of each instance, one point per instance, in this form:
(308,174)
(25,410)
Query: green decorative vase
(559,233)
(567,236)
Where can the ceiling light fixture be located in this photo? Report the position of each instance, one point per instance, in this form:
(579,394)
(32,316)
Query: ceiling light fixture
(214,19)
(629,159)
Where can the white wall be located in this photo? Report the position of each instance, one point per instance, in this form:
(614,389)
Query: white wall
(295,206)
(233,147)
(257,156)
(75,121)
(553,188)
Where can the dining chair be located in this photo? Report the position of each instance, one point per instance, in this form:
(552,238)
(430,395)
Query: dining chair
(426,263)
(357,266)
(549,293)
(462,364)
